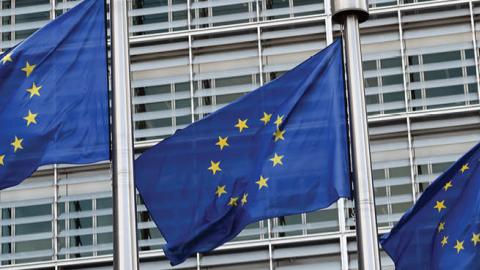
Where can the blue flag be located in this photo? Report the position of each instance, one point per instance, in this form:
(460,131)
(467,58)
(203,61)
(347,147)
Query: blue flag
(280,150)
(54,96)
(442,230)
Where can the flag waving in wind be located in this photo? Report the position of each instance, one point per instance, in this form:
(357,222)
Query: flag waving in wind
(54,95)
(442,230)
(279,150)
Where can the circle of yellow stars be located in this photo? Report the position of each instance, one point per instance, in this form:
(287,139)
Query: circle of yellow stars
(440,205)
(30,117)
(222,143)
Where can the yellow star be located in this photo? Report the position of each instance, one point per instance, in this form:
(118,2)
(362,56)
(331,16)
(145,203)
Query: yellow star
(28,69)
(7,58)
(444,241)
(262,182)
(279,120)
(2,160)
(441,226)
(244,199)
(220,190)
(266,118)
(277,160)
(222,142)
(279,134)
(214,167)
(464,168)
(475,239)
(242,124)
(440,205)
(31,118)
(448,185)
(34,91)
(459,246)
(233,201)
(17,144)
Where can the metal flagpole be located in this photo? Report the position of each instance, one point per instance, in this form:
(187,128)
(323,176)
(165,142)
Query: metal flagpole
(124,207)
(350,13)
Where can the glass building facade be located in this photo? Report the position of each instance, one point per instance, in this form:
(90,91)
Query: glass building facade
(191,57)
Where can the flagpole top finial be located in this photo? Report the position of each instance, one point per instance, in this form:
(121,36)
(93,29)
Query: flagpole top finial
(343,8)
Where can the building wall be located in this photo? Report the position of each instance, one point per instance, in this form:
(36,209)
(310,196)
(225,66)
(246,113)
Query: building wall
(190,58)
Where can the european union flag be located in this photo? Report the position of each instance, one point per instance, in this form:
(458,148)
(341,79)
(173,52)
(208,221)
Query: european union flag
(54,96)
(442,230)
(279,150)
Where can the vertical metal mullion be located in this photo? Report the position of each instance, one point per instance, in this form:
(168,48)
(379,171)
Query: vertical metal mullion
(53,6)
(475,48)
(463,67)
(170,15)
(264,6)
(257,10)
(1,229)
(422,79)
(213,88)
(260,54)
(12,7)
(190,69)
(12,251)
(250,10)
(198,261)
(407,108)
(94,226)
(303,217)
(343,238)
(275,223)
(381,101)
(173,104)
(189,15)
(291,9)
(270,246)
(197,15)
(210,16)
(388,193)
(328,21)
(404,62)
(55,213)
(261,225)
(67,226)
(1,50)
(130,19)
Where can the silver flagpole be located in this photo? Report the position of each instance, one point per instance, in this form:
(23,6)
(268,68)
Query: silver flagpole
(350,13)
(125,255)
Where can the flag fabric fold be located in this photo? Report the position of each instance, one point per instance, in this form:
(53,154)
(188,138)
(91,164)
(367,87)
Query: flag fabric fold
(279,150)
(54,96)
(442,229)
